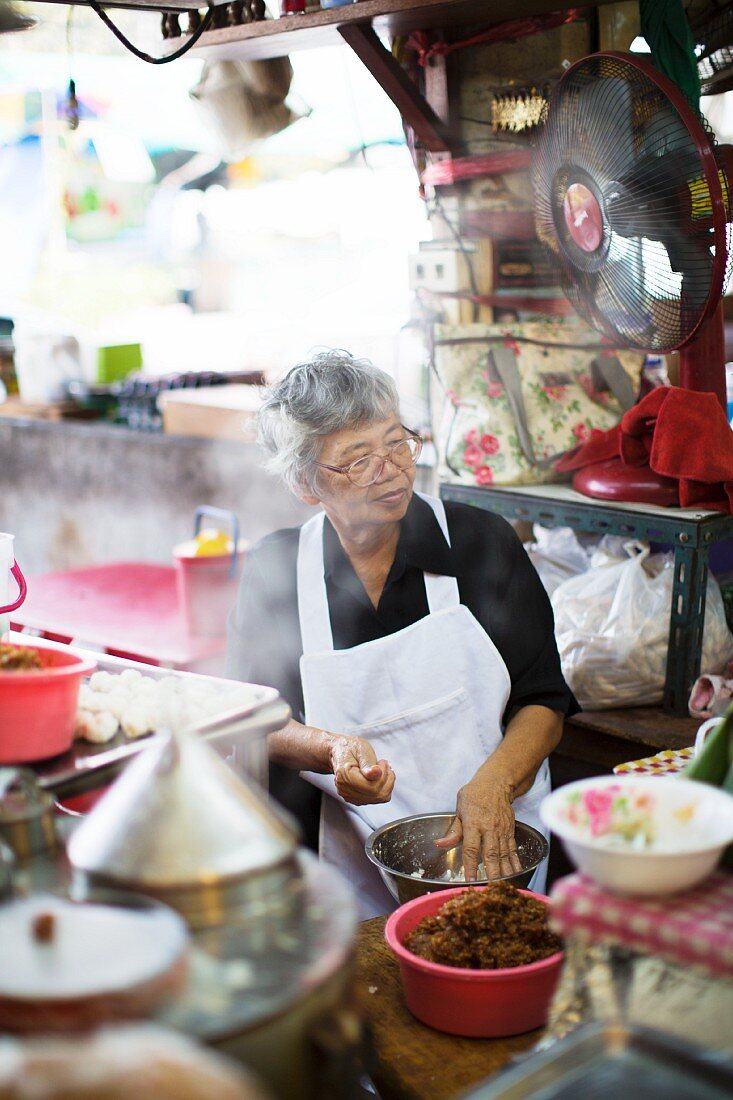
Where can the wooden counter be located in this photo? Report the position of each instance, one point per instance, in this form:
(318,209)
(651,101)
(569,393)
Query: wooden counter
(408,1060)
(604,738)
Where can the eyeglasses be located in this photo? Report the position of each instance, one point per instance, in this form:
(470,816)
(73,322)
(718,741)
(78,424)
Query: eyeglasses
(368,469)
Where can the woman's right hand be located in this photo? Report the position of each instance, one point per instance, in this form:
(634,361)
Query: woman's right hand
(360,778)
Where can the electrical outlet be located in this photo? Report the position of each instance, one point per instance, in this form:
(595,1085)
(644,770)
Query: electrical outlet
(438,270)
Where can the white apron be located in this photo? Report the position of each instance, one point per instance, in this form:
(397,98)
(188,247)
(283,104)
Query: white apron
(429,699)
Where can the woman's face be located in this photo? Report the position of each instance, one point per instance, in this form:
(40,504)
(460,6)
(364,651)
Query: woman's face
(350,506)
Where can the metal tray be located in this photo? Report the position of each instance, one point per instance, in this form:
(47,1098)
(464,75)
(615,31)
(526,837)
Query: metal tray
(601,1062)
(240,733)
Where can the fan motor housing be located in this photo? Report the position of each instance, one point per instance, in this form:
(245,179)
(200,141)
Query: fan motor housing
(585,242)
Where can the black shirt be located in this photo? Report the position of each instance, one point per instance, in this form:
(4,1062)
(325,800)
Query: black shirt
(496,581)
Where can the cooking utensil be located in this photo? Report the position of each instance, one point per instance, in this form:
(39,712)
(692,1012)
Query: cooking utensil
(411,865)
(474,1003)
(7,870)
(180,826)
(26,814)
(69,967)
(605,1062)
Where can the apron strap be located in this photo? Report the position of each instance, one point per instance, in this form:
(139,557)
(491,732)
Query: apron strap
(315,621)
(442,591)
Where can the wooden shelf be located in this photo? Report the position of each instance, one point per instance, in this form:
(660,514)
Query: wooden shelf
(276,37)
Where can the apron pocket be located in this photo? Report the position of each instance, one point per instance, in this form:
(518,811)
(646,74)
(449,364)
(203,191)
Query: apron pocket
(434,749)
(415,716)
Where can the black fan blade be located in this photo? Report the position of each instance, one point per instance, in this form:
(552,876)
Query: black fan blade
(601,119)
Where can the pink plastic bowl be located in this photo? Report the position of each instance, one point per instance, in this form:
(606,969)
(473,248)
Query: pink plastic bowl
(38,707)
(484,1004)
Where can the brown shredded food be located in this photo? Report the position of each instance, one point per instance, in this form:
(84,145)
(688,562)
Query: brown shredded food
(486,930)
(18,658)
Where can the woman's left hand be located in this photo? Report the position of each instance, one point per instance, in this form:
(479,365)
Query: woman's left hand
(484,821)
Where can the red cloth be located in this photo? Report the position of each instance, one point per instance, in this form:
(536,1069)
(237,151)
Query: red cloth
(680,434)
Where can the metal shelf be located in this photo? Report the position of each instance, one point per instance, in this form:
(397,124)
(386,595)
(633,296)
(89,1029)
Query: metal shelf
(691,532)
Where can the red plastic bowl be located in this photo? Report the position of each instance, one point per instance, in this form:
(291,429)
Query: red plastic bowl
(38,707)
(483,1004)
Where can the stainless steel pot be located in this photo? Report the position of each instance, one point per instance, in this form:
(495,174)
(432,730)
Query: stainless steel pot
(26,814)
(411,865)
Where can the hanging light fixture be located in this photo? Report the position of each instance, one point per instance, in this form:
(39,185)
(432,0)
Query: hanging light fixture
(11,20)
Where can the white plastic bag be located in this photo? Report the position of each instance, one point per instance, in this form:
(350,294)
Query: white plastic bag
(612,629)
(557,554)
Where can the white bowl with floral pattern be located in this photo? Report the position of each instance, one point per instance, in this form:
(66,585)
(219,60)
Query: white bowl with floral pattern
(642,835)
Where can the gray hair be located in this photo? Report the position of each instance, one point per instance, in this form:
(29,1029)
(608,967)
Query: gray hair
(332,390)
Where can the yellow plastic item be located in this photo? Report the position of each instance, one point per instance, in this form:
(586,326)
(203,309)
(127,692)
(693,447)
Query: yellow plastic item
(209,541)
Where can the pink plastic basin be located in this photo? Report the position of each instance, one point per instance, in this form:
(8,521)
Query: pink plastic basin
(38,707)
(486,1004)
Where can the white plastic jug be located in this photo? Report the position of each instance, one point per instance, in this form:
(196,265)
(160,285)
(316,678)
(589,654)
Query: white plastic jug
(9,569)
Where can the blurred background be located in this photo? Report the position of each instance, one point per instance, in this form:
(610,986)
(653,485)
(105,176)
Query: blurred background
(132,228)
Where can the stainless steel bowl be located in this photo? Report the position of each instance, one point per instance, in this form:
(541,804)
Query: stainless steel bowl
(405,847)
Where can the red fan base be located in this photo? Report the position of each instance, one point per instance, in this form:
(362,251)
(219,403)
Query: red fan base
(702,368)
(613,480)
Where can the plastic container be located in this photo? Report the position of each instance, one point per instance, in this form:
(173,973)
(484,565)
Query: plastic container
(207,585)
(38,707)
(641,835)
(207,590)
(46,360)
(482,1004)
(116,361)
(729,391)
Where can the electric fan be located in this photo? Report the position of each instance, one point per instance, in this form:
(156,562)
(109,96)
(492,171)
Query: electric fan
(631,195)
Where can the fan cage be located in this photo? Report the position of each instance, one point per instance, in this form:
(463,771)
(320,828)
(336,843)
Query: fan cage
(663,261)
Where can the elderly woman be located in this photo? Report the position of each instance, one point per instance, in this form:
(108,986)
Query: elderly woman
(413,640)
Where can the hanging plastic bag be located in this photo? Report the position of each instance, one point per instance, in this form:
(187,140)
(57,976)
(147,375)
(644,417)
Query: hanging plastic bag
(244,102)
(612,630)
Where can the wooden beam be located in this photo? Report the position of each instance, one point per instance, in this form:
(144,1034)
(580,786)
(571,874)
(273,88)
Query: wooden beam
(405,95)
(436,83)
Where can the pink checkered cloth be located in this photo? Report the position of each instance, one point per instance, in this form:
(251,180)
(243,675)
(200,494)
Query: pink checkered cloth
(668,762)
(692,929)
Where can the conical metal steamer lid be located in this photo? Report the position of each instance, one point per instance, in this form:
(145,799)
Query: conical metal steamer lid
(179,825)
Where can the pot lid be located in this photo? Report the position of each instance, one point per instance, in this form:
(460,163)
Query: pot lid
(66,966)
(179,816)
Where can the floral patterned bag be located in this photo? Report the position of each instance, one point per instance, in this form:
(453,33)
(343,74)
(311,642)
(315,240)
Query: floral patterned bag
(520,396)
